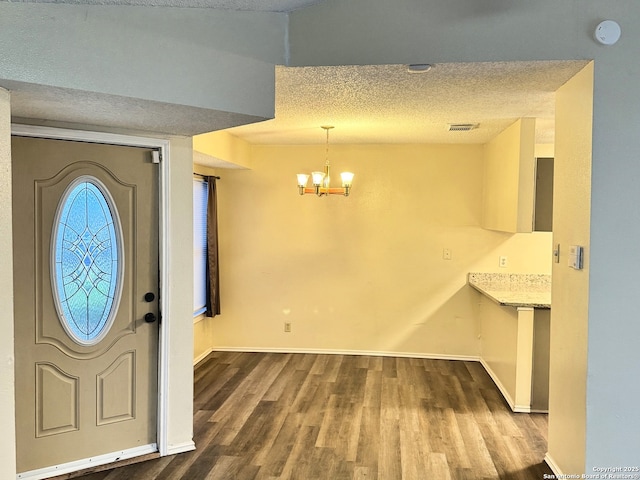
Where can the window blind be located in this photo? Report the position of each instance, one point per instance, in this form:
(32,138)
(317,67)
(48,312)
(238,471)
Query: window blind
(199,245)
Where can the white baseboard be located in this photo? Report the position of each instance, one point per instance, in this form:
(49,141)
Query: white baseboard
(77,465)
(553,466)
(181,448)
(521,409)
(202,356)
(538,410)
(374,353)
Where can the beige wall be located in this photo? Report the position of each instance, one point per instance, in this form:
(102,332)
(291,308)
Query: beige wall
(570,289)
(364,273)
(509,177)
(180,332)
(7,420)
(499,331)
(222,147)
(202,337)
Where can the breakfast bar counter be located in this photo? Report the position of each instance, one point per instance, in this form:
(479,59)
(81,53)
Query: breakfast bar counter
(514,289)
(514,332)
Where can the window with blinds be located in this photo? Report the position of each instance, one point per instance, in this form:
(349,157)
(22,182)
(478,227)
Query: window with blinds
(199,245)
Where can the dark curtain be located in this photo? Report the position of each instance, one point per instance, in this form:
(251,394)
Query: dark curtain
(213,273)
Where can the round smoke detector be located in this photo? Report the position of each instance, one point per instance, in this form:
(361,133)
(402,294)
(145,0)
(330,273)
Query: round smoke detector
(607,32)
(419,67)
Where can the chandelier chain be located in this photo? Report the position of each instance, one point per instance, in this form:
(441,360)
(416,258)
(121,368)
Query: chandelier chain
(326,148)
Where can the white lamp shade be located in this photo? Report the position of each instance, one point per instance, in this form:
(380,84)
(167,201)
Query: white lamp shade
(317,178)
(303,180)
(347,179)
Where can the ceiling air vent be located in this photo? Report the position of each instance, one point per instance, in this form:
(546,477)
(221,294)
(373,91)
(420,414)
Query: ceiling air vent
(462,127)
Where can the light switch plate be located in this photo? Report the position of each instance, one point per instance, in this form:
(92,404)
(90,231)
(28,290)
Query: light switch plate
(576,253)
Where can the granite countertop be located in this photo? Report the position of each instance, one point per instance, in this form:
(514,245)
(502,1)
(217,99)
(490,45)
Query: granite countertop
(514,289)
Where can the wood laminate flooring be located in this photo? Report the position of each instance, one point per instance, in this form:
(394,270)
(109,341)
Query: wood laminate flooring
(267,416)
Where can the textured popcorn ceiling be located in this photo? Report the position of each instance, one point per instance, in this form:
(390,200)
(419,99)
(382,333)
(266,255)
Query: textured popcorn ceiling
(254,5)
(385,104)
(366,104)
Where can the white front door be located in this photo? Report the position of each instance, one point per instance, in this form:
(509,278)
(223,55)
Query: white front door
(85,228)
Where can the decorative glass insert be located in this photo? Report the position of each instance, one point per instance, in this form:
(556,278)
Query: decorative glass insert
(87,259)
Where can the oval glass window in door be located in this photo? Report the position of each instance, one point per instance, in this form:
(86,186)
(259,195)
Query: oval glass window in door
(87,260)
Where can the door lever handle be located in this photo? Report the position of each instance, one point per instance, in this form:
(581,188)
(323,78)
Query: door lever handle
(150,317)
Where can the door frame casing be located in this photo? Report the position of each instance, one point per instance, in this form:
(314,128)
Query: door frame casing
(163,146)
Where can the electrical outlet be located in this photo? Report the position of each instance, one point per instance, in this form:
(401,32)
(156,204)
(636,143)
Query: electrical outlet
(446,254)
(287,327)
(502,262)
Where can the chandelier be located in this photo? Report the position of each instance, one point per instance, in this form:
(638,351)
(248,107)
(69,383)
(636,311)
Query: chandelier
(322,180)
